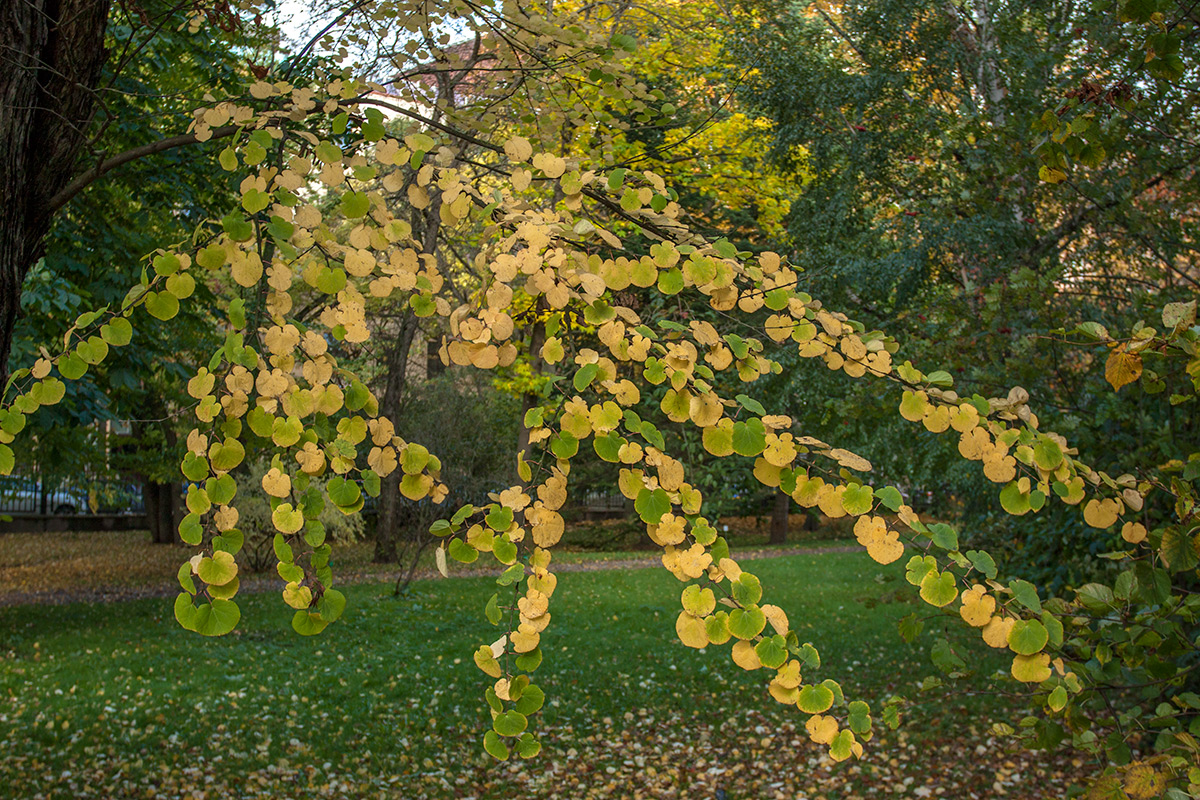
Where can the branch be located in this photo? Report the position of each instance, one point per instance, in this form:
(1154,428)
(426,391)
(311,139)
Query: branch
(85,179)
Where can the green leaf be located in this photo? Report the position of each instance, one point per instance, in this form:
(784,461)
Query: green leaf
(216,618)
(527,746)
(220,490)
(510,723)
(890,497)
(492,610)
(308,623)
(858,499)
(1047,453)
(529,661)
(841,748)
(670,282)
(185,612)
(944,658)
(332,604)
(746,401)
(461,551)
(512,575)
(227,455)
(218,570)
(495,746)
(944,536)
(918,567)
(162,305)
(1027,595)
(982,562)
(584,376)
(940,378)
(1178,550)
(72,367)
(749,438)
(746,623)
(815,699)
(355,204)
(939,589)
(372,483)
(343,493)
(117,332)
(564,445)
(1013,500)
(652,505)
(910,627)
(531,700)
(772,651)
(504,549)
(608,446)
(858,715)
(1028,636)
(190,531)
(747,589)
(499,518)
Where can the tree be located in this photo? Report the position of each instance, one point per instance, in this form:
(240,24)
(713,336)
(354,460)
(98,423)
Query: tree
(565,239)
(936,149)
(94,250)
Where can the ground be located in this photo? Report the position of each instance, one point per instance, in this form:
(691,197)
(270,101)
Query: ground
(114,700)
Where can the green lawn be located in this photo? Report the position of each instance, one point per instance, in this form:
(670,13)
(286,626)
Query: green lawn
(117,701)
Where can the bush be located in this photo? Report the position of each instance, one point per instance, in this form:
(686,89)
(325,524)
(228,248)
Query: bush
(254,518)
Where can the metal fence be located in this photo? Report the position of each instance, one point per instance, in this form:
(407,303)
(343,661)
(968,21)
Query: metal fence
(35,495)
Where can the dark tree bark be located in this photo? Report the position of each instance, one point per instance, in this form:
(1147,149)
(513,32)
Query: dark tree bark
(51,54)
(779,517)
(162,511)
(387,522)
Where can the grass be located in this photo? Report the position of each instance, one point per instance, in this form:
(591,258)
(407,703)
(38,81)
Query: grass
(116,701)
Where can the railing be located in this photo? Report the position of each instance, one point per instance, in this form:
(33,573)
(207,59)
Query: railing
(36,495)
(603,504)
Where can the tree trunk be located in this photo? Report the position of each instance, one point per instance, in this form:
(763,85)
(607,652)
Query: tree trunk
(53,54)
(779,517)
(537,338)
(162,511)
(387,521)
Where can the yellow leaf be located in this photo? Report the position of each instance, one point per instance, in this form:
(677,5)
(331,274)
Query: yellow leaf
(1101,513)
(745,656)
(1031,669)
(518,148)
(1133,532)
(977,606)
(277,484)
(777,619)
(1122,368)
(247,269)
(821,729)
(995,633)
(297,596)
(692,631)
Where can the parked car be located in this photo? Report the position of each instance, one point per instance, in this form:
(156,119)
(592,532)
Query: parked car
(24,496)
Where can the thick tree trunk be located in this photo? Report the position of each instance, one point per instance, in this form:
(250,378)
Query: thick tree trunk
(779,517)
(53,53)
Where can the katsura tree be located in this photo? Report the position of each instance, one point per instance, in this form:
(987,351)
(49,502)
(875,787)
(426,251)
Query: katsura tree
(1107,664)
